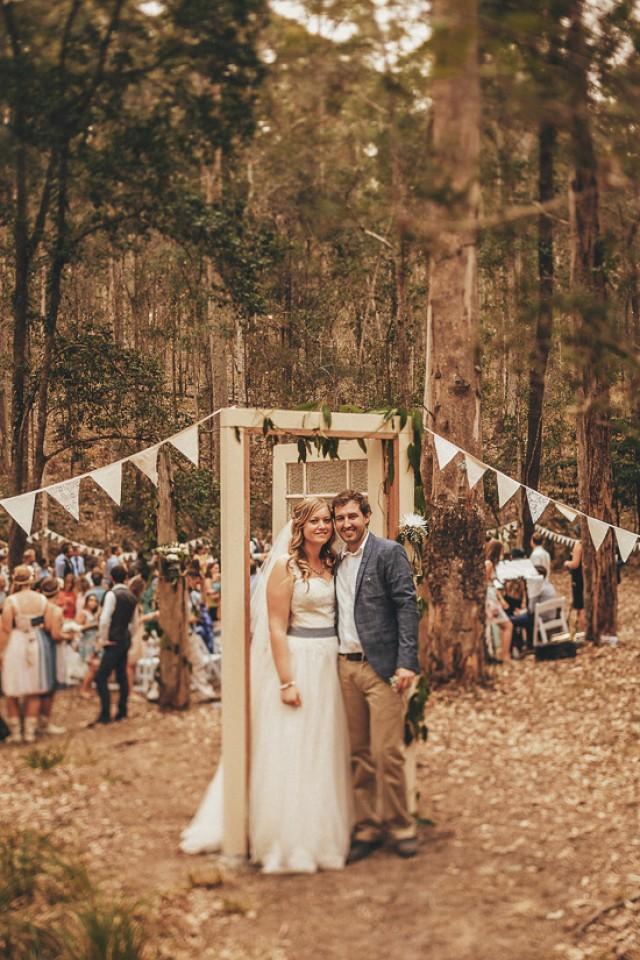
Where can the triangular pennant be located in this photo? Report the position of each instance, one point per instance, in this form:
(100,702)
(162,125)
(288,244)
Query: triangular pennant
(187,443)
(21,509)
(445,450)
(507,486)
(538,503)
(147,461)
(626,542)
(475,470)
(110,479)
(565,511)
(598,530)
(68,496)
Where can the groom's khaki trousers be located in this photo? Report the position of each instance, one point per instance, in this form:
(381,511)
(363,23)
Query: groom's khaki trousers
(375,716)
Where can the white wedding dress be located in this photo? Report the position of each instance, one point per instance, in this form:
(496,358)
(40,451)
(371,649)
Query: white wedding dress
(300,812)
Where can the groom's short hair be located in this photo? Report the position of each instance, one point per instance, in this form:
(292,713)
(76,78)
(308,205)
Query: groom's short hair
(347,496)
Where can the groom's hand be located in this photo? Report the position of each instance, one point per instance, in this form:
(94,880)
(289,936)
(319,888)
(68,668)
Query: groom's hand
(404,679)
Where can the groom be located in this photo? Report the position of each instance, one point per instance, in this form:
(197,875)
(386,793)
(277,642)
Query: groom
(377,661)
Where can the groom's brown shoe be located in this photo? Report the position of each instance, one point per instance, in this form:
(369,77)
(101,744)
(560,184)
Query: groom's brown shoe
(362,848)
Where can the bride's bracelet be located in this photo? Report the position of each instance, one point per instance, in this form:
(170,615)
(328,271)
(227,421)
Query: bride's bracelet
(285,686)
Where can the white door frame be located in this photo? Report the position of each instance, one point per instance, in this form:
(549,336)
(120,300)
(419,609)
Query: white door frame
(236,425)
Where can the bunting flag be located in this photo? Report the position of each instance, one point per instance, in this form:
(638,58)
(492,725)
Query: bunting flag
(506,488)
(147,462)
(68,495)
(21,509)
(110,479)
(475,470)
(445,450)
(598,530)
(626,542)
(186,442)
(538,503)
(565,511)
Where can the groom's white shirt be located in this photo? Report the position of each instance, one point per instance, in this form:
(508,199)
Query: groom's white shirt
(346,578)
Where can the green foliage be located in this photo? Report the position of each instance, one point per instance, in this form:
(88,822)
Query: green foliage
(197,499)
(99,387)
(414,726)
(51,910)
(45,758)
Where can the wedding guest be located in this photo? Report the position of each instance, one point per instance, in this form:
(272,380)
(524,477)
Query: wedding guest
(97,588)
(203,558)
(495,603)
(137,587)
(525,618)
(23,648)
(53,637)
(117,613)
(574,566)
(213,587)
(81,586)
(540,556)
(62,563)
(67,597)
(88,619)
(29,559)
(77,561)
(113,560)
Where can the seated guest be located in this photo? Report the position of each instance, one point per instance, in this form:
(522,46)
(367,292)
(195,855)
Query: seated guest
(524,618)
(494,602)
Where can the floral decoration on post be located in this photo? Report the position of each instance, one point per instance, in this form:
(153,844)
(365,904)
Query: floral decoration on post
(172,557)
(413,531)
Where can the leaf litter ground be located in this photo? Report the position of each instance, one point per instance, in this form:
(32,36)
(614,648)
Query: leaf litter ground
(530,847)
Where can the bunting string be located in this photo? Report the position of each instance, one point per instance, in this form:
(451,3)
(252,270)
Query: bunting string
(48,534)
(109,478)
(537,502)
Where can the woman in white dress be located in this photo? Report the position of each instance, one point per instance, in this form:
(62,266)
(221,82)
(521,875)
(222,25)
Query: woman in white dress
(300,795)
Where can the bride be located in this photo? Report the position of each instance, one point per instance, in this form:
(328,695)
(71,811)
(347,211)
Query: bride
(300,812)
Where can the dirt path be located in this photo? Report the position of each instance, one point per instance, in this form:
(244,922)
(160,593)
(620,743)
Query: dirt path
(532,785)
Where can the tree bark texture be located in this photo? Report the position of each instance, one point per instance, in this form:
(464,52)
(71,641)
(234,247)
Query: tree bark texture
(175,668)
(452,643)
(593,430)
(544,321)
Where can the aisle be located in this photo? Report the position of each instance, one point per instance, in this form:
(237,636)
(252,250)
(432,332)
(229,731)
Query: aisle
(532,785)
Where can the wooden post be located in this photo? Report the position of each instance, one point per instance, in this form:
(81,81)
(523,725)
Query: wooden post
(175,669)
(234,528)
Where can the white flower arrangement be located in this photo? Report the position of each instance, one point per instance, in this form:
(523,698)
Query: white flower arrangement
(173,552)
(413,529)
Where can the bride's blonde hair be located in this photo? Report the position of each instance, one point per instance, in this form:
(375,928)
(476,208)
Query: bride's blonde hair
(302,512)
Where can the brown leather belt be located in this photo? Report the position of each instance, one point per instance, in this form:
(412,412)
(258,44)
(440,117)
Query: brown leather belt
(354,657)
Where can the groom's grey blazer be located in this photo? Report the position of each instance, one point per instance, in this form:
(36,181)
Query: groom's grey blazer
(386,609)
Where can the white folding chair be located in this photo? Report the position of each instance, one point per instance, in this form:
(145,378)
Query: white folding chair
(554,626)
(145,673)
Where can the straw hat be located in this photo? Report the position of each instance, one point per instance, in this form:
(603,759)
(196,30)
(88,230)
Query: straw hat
(50,587)
(22,575)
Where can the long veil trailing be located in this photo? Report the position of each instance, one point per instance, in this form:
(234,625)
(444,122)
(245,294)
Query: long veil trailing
(205,832)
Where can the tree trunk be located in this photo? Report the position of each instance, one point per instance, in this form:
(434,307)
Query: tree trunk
(590,323)
(544,321)
(453,628)
(175,668)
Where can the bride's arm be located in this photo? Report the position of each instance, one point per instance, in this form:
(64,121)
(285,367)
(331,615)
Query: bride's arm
(279,593)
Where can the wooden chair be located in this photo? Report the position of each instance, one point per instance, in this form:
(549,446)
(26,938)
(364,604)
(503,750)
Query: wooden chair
(554,628)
